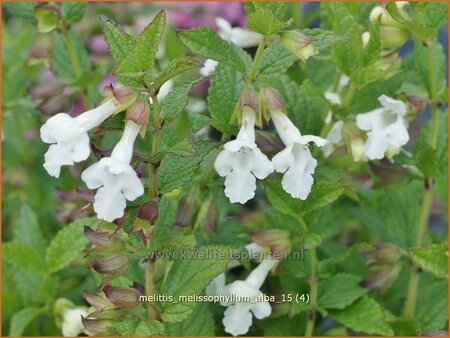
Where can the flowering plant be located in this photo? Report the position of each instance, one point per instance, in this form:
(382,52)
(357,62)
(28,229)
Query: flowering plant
(267,169)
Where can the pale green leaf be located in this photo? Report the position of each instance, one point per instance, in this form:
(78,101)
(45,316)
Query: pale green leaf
(432,258)
(23,256)
(174,103)
(73,12)
(137,328)
(21,319)
(62,59)
(275,60)
(27,230)
(120,43)
(323,38)
(199,323)
(265,22)
(432,304)
(68,244)
(23,10)
(175,67)
(339,291)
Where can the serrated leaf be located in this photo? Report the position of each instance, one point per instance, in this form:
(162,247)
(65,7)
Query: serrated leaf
(120,43)
(23,256)
(199,323)
(366,98)
(142,57)
(322,193)
(364,315)
(339,291)
(312,239)
(278,8)
(73,12)
(275,60)
(68,244)
(27,230)
(61,56)
(198,121)
(323,38)
(432,304)
(174,103)
(433,259)
(175,171)
(167,211)
(189,277)
(137,328)
(175,67)
(210,45)
(22,319)
(23,10)
(264,21)
(224,93)
(436,14)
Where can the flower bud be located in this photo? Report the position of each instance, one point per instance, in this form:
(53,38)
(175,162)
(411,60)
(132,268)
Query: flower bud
(149,211)
(272,99)
(122,297)
(384,253)
(47,17)
(382,278)
(138,113)
(116,264)
(381,13)
(392,37)
(96,327)
(267,143)
(392,151)
(298,44)
(365,38)
(187,208)
(211,220)
(126,96)
(277,240)
(250,99)
(104,242)
(98,302)
(355,142)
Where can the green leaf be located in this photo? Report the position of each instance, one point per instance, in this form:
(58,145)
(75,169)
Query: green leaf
(432,303)
(278,8)
(189,277)
(175,171)
(322,193)
(47,18)
(198,121)
(27,230)
(120,43)
(175,67)
(174,103)
(62,60)
(206,42)
(312,239)
(137,328)
(142,58)
(422,68)
(23,256)
(68,244)
(275,60)
(436,14)
(339,291)
(224,93)
(366,98)
(322,38)
(73,12)
(167,211)
(364,315)
(199,323)
(22,319)
(23,10)
(432,258)
(265,22)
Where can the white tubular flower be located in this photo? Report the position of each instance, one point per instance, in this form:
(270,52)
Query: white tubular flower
(209,66)
(239,36)
(69,138)
(238,316)
(72,325)
(114,178)
(387,126)
(295,161)
(241,162)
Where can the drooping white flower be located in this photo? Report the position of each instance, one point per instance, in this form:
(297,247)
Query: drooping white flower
(295,161)
(386,126)
(114,178)
(241,162)
(238,316)
(68,136)
(239,36)
(72,325)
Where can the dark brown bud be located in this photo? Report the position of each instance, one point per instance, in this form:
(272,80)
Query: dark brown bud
(138,113)
(384,253)
(149,211)
(382,278)
(211,220)
(111,265)
(250,99)
(122,297)
(272,99)
(267,143)
(96,327)
(139,287)
(187,208)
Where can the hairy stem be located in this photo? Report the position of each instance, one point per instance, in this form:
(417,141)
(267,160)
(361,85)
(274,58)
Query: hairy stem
(312,292)
(427,199)
(152,194)
(258,54)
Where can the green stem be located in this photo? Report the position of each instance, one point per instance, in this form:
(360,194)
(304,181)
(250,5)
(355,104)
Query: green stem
(413,286)
(258,54)
(312,292)
(150,268)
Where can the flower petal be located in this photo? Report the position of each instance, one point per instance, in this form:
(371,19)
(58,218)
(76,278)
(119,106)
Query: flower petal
(305,139)
(238,144)
(257,277)
(367,121)
(237,319)
(397,133)
(376,145)
(261,309)
(109,203)
(240,186)
(224,162)
(132,186)
(55,157)
(395,106)
(93,176)
(262,166)
(283,160)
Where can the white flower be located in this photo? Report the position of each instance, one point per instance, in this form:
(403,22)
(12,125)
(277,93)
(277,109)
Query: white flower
(239,36)
(241,160)
(238,316)
(295,161)
(386,126)
(72,325)
(209,66)
(115,178)
(69,138)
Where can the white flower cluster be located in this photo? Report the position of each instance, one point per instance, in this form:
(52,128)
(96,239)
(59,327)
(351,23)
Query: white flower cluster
(113,176)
